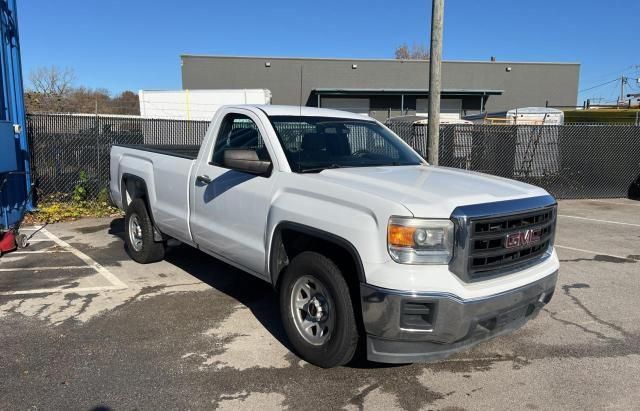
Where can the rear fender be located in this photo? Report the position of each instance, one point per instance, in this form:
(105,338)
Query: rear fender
(132,187)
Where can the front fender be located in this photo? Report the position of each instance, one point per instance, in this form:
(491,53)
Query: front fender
(359,227)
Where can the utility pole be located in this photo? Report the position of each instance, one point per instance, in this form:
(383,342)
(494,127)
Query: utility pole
(623,80)
(435,80)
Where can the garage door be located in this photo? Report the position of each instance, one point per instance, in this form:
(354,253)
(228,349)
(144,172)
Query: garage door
(354,105)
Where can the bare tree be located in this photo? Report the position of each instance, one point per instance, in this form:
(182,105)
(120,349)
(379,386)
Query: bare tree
(50,88)
(417,52)
(402,52)
(52,81)
(126,103)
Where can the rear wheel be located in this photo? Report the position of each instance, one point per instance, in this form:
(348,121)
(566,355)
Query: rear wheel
(317,311)
(141,246)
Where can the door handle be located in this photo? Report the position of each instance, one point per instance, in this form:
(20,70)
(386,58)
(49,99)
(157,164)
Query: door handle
(203,179)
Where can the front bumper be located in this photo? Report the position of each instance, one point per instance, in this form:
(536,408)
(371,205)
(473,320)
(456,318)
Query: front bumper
(405,327)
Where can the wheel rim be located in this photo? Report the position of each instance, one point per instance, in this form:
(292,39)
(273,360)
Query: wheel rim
(312,310)
(135,232)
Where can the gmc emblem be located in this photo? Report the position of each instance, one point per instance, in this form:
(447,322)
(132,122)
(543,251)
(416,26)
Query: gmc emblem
(522,238)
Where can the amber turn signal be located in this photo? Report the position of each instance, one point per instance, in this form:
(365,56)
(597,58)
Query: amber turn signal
(401,236)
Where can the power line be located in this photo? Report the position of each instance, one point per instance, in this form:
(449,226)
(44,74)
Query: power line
(621,71)
(613,94)
(600,85)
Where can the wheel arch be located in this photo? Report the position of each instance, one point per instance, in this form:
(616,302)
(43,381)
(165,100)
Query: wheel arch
(133,187)
(311,239)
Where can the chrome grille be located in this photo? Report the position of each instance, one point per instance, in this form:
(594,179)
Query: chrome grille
(488,249)
(481,249)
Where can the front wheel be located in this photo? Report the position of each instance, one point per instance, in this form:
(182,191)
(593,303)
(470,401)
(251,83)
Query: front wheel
(317,311)
(141,246)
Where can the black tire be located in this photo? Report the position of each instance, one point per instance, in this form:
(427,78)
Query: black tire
(22,241)
(145,250)
(342,341)
(634,190)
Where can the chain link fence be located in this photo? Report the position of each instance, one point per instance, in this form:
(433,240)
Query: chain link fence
(569,161)
(72,150)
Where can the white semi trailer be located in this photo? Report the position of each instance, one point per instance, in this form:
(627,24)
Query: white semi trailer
(195,104)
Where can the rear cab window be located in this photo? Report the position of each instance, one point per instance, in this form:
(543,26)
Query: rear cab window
(238,131)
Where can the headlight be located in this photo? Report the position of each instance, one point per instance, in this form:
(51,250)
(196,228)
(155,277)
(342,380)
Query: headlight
(419,241)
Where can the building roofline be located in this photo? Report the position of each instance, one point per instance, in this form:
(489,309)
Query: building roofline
(291,110)
(450,91)
(77,114)
(187,55)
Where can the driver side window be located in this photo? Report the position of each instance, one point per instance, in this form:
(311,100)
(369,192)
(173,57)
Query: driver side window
(238,132)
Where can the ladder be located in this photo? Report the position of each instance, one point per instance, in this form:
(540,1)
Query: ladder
(530,151)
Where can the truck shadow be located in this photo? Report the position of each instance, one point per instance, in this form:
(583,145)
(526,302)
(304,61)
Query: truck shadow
(257,295)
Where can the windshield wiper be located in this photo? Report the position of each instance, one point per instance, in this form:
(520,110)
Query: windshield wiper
(393,163)
(330,166)
(318,169)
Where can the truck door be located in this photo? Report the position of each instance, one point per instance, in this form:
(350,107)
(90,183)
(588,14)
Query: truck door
(229,207)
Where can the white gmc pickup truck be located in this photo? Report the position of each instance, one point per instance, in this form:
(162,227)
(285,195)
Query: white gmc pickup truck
(367,244)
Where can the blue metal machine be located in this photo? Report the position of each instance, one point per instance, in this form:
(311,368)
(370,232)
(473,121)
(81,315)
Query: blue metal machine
(15,178)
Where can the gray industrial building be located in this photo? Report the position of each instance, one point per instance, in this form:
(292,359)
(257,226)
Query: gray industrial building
(388,88)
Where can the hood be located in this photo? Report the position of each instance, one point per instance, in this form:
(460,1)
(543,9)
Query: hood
(428,191)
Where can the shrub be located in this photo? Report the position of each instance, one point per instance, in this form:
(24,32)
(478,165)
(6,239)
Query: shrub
(59,211)
(80,190)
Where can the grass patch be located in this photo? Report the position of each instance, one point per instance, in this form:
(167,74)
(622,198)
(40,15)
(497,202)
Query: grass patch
(77,204)
(609,116)
(58,211)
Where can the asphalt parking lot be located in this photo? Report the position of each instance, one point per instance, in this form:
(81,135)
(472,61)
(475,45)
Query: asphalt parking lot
(83,327)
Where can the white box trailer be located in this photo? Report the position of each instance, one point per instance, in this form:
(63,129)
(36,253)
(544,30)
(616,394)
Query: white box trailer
(533,116)
(195,104)
(536,144)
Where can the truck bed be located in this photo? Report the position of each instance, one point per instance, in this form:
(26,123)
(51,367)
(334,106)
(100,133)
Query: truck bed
(189,152)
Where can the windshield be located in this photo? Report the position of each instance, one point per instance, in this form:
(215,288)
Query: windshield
(313,144)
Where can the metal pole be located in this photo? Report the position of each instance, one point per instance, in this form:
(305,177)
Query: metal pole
(435,77)
(97,122)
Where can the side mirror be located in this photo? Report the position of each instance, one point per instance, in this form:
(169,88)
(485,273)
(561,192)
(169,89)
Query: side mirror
(246,160)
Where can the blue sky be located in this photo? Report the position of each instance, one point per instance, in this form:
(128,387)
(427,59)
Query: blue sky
(136,44)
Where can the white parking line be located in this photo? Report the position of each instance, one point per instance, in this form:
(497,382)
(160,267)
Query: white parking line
(116,283)
(87,260)
(594,252)
(61,290)
(37,252)
(66,267)
(618,203)
(31,229)
(598,221)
